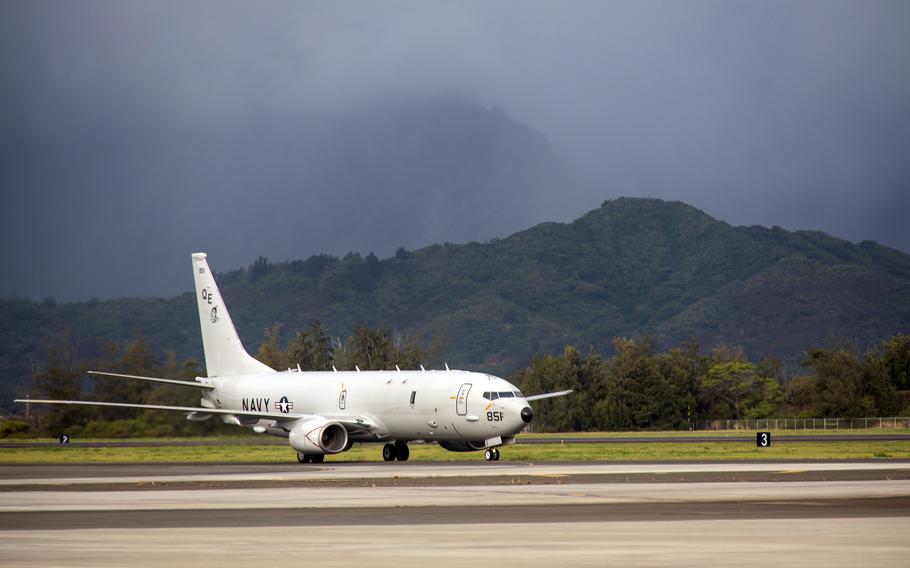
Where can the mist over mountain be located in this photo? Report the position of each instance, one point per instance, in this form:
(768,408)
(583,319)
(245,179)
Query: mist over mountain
(628,268)
(132,134)
(368,176)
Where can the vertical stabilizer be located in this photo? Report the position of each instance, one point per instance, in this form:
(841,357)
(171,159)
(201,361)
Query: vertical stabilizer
(224,354)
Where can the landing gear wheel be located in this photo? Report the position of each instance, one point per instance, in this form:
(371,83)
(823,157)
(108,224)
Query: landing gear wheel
(401,448)
(303,458)
(319,458)
(488,455)
(389,452)
(496,454)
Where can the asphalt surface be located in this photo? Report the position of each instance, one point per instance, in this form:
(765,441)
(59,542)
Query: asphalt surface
(152,483)
(427,470)
(385,516)
(747,513)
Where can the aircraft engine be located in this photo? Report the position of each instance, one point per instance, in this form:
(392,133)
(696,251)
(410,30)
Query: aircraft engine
(454,446)
(318,436)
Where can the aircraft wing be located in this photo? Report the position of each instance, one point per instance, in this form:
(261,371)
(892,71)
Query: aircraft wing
(547,395)
(353,424)
(188,409)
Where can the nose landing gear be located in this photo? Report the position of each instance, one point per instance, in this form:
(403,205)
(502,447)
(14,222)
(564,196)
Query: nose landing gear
(491,454)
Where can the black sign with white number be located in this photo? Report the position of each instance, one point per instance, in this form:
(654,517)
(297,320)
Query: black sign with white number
(763,439)
(64,439)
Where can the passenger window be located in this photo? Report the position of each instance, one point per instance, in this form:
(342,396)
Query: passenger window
(413,396)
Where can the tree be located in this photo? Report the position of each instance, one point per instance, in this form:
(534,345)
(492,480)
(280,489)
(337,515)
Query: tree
(645,391)
(680,369)
(136,359)
(59,378)
(270,352)
(879,395)
(728,383)
(551,373)
(259,268)
(372,349)
(896,361)
(312,349)
(838,379)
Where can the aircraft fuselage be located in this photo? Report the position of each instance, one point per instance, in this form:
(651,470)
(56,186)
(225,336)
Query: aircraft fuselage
(399,405)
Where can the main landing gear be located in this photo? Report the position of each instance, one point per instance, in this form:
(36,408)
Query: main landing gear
(398,450)
(310,458)
(491,455)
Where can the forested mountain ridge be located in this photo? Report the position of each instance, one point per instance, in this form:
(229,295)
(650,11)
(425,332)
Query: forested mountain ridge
(631,267)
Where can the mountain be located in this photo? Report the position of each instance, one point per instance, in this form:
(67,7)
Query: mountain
(630,267)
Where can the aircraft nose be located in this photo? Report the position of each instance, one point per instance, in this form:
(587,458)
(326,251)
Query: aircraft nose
(527,414)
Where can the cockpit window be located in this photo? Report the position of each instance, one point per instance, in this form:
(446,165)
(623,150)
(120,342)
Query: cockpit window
(501,394)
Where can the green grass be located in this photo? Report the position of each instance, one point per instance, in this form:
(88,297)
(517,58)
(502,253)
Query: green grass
(420,452)
(215,439)
(718,433)
(258,439)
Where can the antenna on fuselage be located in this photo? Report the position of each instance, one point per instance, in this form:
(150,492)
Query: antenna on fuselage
(334,369)
(397,368)
(358,368)
(422,369)
(447,366)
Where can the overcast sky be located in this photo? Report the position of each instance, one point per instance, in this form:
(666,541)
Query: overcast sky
(788,113)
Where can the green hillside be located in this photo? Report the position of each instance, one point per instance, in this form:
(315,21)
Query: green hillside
(628,268)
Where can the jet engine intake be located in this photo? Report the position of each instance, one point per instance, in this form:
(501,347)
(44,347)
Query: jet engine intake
(318,436)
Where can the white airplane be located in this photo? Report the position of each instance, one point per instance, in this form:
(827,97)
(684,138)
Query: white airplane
(325,412)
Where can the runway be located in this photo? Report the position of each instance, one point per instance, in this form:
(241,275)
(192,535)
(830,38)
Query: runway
(411,514)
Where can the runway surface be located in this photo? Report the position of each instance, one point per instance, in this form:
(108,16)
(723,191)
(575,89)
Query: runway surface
(532,514)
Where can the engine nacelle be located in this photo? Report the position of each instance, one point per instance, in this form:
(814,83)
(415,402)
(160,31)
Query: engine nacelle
(460,446)
(318,436)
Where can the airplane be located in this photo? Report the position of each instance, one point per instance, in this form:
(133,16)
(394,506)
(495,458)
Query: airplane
(326,412)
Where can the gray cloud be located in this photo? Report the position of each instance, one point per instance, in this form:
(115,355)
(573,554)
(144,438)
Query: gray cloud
(121,123)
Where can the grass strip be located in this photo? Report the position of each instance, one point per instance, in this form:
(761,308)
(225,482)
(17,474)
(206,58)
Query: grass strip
(428,452)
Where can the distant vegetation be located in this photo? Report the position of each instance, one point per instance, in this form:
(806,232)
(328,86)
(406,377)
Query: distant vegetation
(640,389)
(631,268)
(635,389)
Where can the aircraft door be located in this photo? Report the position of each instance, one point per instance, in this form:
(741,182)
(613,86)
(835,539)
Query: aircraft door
(461,400)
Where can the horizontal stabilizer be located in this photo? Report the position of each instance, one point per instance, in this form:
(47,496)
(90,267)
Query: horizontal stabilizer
(547,395)
(155,380)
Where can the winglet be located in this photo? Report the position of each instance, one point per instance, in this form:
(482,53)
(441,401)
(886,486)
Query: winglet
(547,395)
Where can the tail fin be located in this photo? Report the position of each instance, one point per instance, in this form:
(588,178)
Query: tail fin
(224,354)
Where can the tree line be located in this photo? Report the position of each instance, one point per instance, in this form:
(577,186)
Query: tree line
(636,388)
